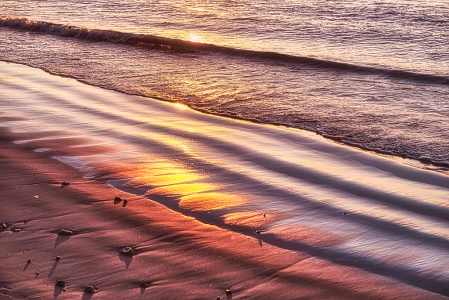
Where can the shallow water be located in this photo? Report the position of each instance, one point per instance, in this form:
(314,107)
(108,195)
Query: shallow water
(370,74)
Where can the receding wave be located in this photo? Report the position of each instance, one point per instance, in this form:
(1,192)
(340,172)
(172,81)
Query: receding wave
(157,42)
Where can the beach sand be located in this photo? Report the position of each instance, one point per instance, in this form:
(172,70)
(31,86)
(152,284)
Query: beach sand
(175,256)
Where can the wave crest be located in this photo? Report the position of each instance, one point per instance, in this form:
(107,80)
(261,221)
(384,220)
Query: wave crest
(156,42)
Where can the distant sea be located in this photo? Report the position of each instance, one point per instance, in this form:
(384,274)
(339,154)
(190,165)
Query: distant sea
(368,73)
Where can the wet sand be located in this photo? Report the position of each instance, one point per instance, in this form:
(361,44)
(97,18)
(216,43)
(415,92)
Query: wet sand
(175,256)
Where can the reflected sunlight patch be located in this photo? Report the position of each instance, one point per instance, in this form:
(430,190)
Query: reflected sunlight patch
(167,179)
(195,38)
(210,201)
(180,105)
(183,189)
(160,173)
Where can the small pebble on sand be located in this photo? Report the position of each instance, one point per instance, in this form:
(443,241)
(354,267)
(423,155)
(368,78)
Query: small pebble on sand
(127,251)
(65,232)
(3,227)
(60,283)
(117,199)
(65,183)
(58,257)
(258,231)
(143,285)
(89,289)
(228,291)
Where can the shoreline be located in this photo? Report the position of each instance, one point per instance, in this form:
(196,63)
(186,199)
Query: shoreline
(421,163)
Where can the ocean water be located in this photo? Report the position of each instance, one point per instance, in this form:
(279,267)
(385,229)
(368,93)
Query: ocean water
(373,74)
(370,74)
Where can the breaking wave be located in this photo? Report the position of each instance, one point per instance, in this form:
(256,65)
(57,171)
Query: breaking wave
(176,45)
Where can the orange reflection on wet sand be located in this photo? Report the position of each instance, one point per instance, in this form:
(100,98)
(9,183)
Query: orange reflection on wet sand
(160,173)
(210,201)
(183,189)
(173,177)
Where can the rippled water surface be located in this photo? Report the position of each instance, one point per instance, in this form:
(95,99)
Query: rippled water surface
(371,74)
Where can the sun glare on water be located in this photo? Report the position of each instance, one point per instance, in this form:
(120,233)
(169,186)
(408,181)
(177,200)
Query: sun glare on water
(180,105)
(195,38)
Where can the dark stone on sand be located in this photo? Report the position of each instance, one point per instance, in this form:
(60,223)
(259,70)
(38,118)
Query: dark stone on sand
(65,232)
(125,202)
(218,298)
(143,285)
(127,251)
(60,283)
(117,199)
(3,227)
(228,291)
(58,257)
(89,289)
(37,273)
(264,215)
(29,261)
(65,183)
(345,213)
(258,231)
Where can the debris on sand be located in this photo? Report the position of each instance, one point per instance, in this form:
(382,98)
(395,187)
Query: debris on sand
(127,251)
(3,227)
(60,283)
(65,232)
(89,289)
